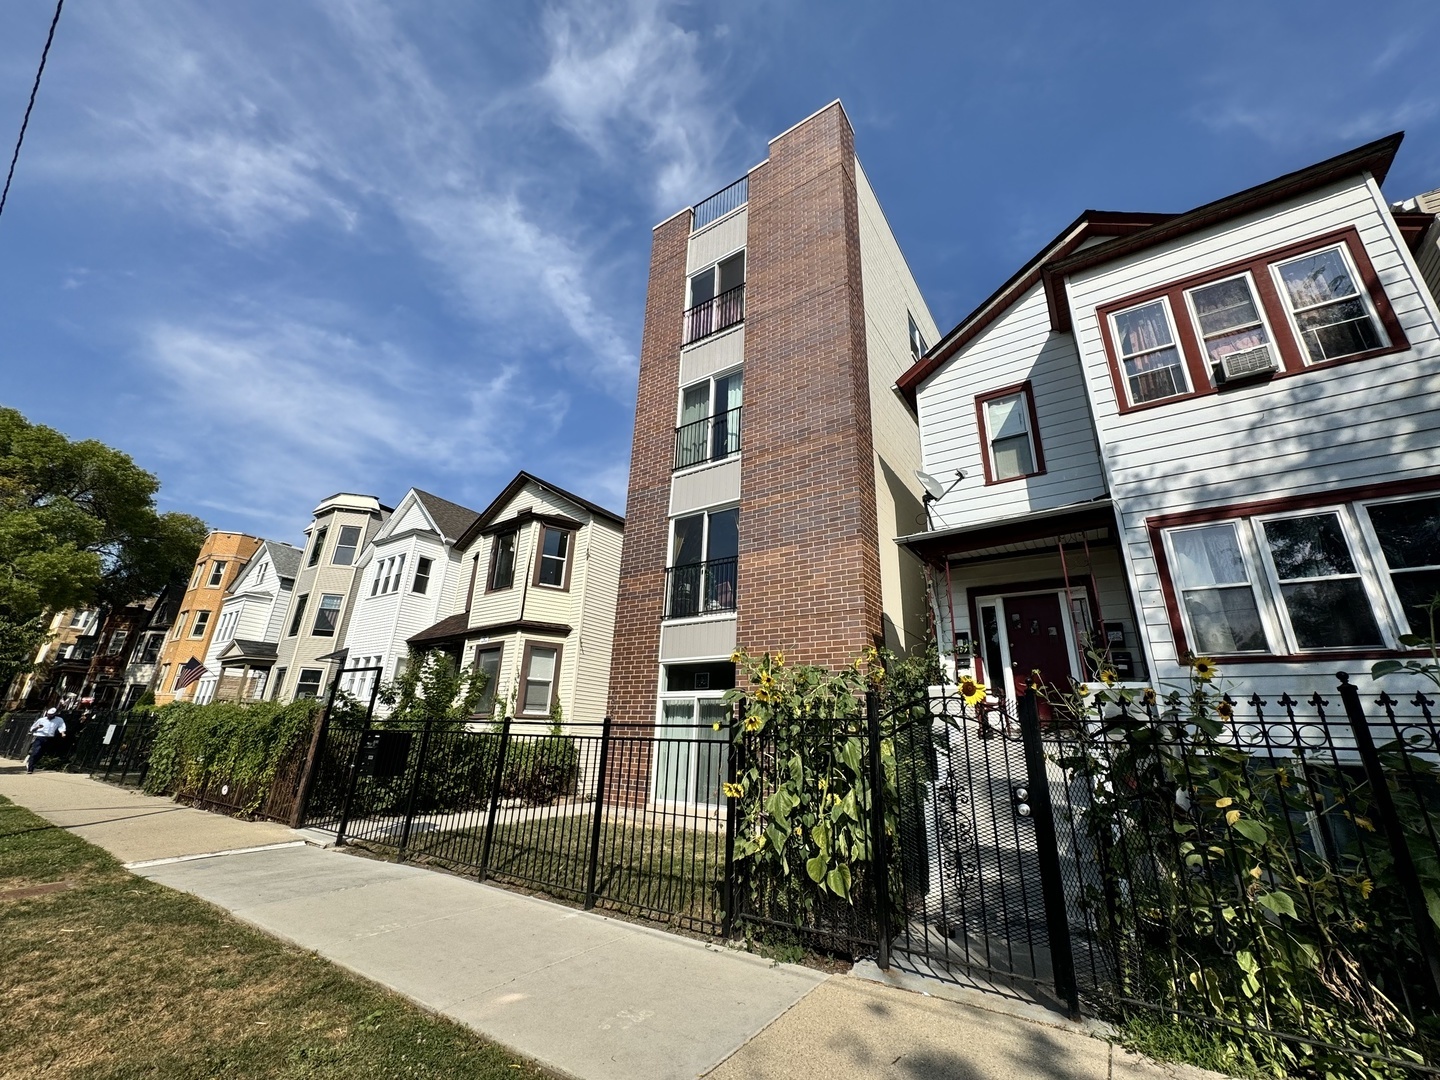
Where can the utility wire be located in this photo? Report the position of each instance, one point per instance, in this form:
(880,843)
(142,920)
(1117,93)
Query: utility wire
(33,91)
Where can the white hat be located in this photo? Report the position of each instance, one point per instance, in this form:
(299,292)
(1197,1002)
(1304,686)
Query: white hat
(51,712)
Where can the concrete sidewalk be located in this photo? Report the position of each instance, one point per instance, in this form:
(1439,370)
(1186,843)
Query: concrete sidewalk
(585,995)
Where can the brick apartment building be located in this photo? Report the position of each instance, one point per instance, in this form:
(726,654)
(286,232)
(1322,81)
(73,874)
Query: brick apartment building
(222,557)
(773,463)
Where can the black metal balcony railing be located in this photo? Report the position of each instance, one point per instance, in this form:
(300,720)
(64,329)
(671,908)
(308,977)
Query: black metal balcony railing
(700,588)
(716,314)
(721,203)
(712,439)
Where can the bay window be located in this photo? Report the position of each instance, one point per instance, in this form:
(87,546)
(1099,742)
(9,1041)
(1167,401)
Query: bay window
(327,615)
(552,569)
(502,562)
(540,667)
(345,545)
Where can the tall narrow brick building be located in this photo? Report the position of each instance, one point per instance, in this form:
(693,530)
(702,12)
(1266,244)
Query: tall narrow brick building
(773,462)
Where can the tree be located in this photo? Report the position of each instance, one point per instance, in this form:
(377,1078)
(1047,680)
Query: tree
(78,527)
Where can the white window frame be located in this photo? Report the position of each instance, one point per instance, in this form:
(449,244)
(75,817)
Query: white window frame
(1377,556)
(1026,407)
(200,623)
(1365,571)
(1260,588)
(1270,342)
(1361,291)
(571,536)
(1079,598)
(354,548)
(527,658)
(714,267)
(710,417)
(670,564)
(339,608)
(1175,343)
(695,698)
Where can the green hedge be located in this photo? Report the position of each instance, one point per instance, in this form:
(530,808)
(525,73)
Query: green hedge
(239,744)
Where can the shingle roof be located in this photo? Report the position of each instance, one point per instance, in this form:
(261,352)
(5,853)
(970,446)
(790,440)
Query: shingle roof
(451,518)
(245,649)
(284,557)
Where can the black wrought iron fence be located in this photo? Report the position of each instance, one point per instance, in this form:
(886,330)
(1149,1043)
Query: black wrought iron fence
(728,198)
(627,819)
(15,734)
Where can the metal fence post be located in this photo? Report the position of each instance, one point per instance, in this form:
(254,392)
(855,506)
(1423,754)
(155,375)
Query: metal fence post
(494,798)
(728,890)
(1052,886)
(1394,831)
(352,782)
(599,817)
(879,853)
(315,754)
(415,787)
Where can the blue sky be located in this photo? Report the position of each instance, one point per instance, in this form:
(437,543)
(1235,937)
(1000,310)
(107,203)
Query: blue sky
(276,249)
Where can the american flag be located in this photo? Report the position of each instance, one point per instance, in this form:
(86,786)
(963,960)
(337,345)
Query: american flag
(190,673)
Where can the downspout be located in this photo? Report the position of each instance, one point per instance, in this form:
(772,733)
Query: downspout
(1070,604)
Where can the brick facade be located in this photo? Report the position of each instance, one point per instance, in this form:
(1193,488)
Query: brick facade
(236,549)
(809,576)
(641,602)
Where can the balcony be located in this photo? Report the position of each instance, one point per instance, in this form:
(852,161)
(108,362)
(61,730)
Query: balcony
(714,438)
(721,203)
(713,315)
(705,588)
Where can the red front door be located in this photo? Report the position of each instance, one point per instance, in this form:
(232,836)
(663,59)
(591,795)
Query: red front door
(1036,637)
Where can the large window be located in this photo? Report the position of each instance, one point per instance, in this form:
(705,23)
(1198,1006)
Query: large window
(327,615)
(717,298)
(692,737)
(537,682)
(150,648)
(704,553)
(1349,577)
(345,546)
(502,562)
(1008,430)
(709,428)
(1270,315)
(388,573)
(552,569)
(1215,590)
(1408,536)
(1329,311)
(1149,354)
(317,545)
(1319,584)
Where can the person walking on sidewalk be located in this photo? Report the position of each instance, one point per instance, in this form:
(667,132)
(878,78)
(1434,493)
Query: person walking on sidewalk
(42,731)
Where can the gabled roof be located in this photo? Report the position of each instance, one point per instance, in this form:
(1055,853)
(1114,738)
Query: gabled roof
(284,557)
(1091,223)
(497,506)
(450,518)
(1374,158)
(246,649)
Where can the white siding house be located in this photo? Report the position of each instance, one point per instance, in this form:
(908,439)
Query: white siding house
(1212,433)
(535,602)
(409,578)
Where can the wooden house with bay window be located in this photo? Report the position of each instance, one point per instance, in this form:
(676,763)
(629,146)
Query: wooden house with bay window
(1208,433)
(534,602)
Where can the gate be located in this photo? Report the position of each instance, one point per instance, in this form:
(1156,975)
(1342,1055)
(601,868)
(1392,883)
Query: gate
(327,778)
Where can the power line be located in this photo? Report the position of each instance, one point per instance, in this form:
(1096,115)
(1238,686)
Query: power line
(33,91)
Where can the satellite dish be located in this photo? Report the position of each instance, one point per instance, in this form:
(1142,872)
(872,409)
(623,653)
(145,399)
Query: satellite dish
(933,488)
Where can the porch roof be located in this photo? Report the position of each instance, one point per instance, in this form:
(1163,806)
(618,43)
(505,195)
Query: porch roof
(1033,532)
(257,652)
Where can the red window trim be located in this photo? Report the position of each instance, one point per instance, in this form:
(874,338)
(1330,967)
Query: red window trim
(981,425)
(1277,314)
(1157,525)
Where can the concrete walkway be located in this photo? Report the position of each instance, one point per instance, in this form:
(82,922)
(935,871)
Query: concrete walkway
(588,996)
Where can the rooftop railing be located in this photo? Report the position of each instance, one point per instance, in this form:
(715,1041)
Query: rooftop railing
(721,203)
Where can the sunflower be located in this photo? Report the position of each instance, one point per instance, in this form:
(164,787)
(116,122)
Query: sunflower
(1148,697)
(1203,668)
(1225,711)
(973,692)
(1108,676)
(753,723)
(733,791)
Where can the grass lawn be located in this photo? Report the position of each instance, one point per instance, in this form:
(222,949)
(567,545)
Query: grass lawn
(113,976)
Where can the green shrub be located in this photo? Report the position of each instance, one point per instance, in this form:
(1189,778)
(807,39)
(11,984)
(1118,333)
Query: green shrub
(540,769)
(239,744)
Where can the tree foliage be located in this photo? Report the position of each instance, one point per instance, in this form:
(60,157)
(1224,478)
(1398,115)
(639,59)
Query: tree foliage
(78,527)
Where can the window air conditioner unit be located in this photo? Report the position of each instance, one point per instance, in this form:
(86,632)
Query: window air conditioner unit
(1240,365)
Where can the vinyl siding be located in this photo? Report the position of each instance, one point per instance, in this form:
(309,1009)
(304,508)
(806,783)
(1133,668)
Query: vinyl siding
(889,293)
(595,640)
(1328,429)
(1018,346)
